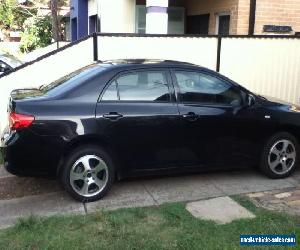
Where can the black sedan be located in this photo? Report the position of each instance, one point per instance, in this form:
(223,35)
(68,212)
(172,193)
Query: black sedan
(128,118)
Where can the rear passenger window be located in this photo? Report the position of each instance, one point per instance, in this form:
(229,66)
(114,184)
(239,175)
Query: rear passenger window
(111,93)
(139,86)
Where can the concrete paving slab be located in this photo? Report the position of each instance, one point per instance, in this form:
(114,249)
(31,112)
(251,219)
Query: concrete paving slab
(222,210)
(42,205)
(123,194)
(240,182)
(184,188)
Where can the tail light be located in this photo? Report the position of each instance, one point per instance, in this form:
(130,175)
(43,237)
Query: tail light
(18,121)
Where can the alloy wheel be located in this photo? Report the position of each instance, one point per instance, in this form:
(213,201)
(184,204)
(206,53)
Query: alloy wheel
(282,157)
(89,175)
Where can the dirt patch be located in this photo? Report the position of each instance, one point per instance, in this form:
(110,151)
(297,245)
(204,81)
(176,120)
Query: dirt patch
(16,187)
(3,172)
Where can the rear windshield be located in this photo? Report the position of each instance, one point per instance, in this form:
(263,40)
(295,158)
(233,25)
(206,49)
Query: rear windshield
(70,81)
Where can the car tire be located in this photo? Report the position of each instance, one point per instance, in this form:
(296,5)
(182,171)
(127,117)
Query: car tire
(280,156)
(88,173)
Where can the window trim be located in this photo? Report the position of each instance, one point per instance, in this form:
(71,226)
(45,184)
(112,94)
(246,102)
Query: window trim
(218,15)
(199,71)
(126,72)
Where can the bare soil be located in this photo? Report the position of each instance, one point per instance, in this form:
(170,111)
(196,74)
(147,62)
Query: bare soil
(16,187)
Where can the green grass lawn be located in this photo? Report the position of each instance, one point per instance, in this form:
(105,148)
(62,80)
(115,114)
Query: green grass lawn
(165,227)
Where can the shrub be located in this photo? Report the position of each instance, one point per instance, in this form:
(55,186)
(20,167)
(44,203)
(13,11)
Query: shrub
(37,33)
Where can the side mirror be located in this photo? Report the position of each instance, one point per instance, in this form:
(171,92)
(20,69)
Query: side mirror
(250,100)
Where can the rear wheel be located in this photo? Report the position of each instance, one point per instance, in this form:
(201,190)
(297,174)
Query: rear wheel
(88,173)
(280,155)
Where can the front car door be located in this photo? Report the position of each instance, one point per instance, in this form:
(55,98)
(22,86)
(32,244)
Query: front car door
(138,115)
(210,109)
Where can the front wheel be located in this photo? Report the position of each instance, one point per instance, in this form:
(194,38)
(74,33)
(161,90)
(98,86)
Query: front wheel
(88,173)
(280,156)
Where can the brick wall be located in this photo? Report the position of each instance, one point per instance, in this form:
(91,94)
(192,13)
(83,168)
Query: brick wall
(213,7)
(268,12)
(243,17)
(277,12)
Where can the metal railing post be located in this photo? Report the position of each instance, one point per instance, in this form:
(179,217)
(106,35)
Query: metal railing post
(95,46)
(219,53)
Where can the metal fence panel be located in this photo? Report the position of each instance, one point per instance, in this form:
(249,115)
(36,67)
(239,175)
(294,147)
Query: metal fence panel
(268,66)
(201,50)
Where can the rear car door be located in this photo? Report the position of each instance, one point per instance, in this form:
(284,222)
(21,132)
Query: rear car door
(210,108)
(138,115)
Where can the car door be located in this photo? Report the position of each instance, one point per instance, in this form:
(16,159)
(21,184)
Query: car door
(211,110)
(138,115)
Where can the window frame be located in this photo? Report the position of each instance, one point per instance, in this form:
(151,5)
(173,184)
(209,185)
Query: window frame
(201,71)
(218,15)
(166,71)
(7,66)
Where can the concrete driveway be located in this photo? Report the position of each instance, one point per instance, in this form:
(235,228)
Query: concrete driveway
(49,198)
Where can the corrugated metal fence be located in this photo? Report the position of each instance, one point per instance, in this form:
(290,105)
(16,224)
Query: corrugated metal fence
(265,65)
(269,66)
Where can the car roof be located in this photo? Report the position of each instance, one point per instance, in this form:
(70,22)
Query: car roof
(131,63)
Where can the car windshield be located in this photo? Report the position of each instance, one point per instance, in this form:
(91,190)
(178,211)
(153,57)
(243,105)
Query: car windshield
(10,60)
(71,80)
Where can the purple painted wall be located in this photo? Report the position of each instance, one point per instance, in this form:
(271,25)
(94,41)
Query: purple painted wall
(79,19)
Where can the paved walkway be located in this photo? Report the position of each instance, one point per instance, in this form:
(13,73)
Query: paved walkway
(142,192)
(284,200)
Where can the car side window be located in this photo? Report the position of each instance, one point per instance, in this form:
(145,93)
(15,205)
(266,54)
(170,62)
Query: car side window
(111,93)
(139,86)
(199,87)
(4,67)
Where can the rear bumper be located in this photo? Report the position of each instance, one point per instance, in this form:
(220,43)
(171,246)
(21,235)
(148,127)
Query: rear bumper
(28,154)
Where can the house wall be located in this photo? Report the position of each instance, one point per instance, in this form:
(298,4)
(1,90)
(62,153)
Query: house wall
(117,16)
(80,14)
(277,12)
(196,7)
(268,12)
(243,12)
(93,7)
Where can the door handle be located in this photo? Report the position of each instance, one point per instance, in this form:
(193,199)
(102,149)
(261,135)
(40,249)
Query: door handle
(112,116)
(191,116)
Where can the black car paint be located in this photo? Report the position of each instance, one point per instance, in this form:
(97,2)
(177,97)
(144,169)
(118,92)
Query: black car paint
(150,136)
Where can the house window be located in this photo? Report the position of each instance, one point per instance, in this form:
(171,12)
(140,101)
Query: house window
(223,24)
(74,28)
(140,20)
(197,24)
(92,24)
(176,16)
(176,20)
